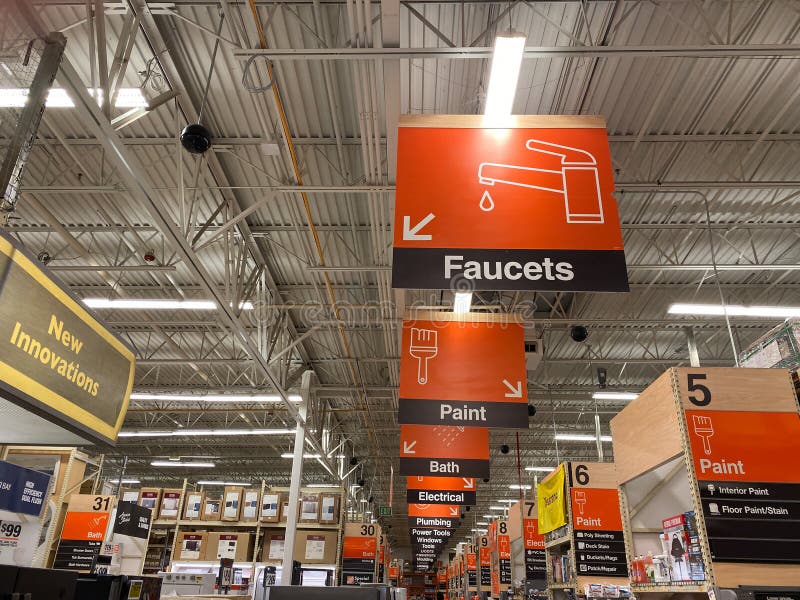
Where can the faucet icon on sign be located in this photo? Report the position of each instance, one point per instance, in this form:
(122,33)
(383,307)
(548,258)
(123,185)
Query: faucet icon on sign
(576,180)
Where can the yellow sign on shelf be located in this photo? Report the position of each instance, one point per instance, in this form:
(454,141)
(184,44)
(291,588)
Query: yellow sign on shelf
(551,502)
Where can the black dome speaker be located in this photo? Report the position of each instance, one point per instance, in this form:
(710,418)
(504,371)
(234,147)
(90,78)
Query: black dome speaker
(196,138)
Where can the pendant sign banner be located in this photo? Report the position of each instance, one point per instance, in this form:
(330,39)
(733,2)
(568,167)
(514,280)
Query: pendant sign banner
(463,373)
(437,450)
(56,358)
(551,501)
(524,208)
(440,516)
(441,490)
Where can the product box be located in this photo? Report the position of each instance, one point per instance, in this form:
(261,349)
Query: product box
(212,509)
(250,506)
(329,509)
(681,545)
(270,507)
(232,502)
(129,495)
(273,546)
(191,545)
(285,508)
(229,544)
(193,509)
(170,504)
(150,498)
(315,547)
(309,508)
(779,348)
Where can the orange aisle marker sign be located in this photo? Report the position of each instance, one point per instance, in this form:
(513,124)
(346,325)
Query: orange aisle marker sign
(437,450)
(467,374)
(524,208)
(438,516)
(441,490)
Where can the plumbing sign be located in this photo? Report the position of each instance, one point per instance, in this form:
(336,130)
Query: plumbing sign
(524,208)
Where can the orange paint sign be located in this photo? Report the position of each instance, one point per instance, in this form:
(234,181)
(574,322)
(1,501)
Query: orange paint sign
(524,208)
(595,509)
(465,374)
(444,451)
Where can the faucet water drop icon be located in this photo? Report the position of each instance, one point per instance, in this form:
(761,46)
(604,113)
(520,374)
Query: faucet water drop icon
(486,203)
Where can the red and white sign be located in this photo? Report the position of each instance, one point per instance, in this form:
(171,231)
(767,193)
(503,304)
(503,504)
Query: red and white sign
(441,490)
(465,374)
(437,450)
(595,509)
(524,208)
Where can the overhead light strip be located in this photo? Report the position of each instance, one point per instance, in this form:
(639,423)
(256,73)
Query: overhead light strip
(178,463)
(615,396)
(216,398)
(204,432)
(503,77)
(734,310)
(580,437)
(156,304)
(58,98)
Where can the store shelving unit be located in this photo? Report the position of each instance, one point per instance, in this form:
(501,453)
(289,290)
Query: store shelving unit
(658,449)
(582,478)
(165,535)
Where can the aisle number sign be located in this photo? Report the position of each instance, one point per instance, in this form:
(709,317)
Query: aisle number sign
(464,374)
(83,532)
(444,451)
(524,208)
(55,356)
(359,553)
(551,501)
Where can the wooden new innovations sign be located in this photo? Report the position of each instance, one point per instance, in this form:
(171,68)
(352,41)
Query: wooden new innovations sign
(56,358)
(524,208)
(465,373)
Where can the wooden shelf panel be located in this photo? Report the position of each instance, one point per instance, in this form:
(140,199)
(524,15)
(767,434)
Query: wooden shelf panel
(563,540)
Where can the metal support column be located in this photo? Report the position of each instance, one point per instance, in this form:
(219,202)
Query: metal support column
(691,342)
(297,476)
(21,144)
(598,437)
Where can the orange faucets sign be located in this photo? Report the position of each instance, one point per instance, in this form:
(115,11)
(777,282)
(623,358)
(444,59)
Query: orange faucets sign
(529,207)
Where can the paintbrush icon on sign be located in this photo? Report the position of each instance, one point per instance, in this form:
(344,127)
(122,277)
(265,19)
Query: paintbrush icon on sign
(423,347)
(704,428)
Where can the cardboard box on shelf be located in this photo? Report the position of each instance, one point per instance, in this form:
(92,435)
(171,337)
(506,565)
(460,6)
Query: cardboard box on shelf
(193,509)
(170,504)
(229,544)
(150,498)
(309,507)
(273,546)
(129,495)
(329,509)
(212,509)
(315,547)
(250,506)
(285,508)
(270,507)
(231,503)
(191,545)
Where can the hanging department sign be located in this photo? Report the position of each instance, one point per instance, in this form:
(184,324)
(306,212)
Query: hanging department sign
(441,490)
(463,373)
(56,358)
(435,450)
(524,208)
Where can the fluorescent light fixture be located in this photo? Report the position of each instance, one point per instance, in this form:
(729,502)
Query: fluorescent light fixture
(323,485)
(58,98)
(498,507)
(180,463)
(291,455)
(124,481)
(735,310)
(218,398)
(481,523)
(580,437)
(367,512)
(506,62)
(156,304)
(506,501)
(488,516)
(205,432)
(238,484)
(462,302)
(479,530)
(365,501)
(515,486)
(540,469)
(615,396)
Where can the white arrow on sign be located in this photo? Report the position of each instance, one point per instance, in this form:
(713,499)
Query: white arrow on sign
(516,390)
(413,233)
(453,511)
(408,447)
(468,483)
